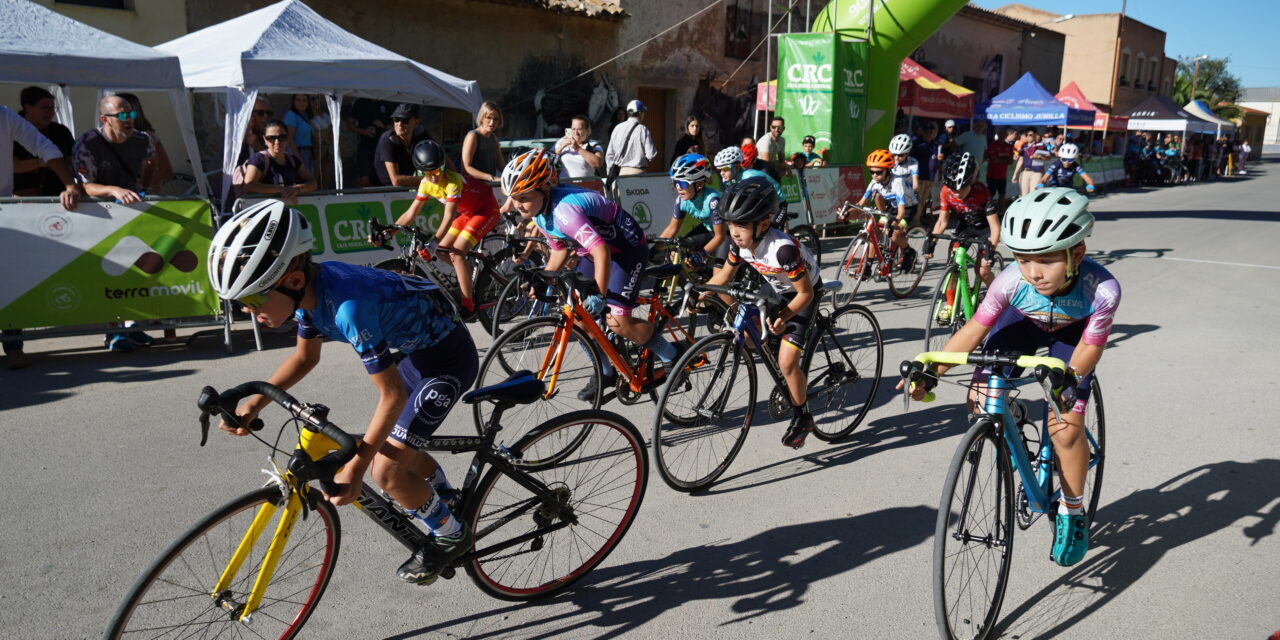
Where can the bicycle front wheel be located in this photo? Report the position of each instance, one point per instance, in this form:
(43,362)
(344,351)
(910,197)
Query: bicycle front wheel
(175,597)
(903,282)
(843,366)
(973,541)
(596,491)
(704,412)
(1096,433)
(945,318)
(854,268)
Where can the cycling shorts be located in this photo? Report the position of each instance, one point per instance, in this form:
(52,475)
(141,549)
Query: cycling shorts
(624,278)
(797,328)
(435,378)
(473,226)
(1015,333)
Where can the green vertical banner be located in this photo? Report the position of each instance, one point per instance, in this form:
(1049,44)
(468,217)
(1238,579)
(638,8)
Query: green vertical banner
(822,92)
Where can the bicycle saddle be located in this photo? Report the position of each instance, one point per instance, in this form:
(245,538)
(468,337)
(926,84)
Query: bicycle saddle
(521,388)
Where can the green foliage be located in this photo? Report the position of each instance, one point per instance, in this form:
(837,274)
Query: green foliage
(1214,84)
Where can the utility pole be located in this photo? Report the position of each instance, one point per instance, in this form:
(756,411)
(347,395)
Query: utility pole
(1115,68)
(1196,72)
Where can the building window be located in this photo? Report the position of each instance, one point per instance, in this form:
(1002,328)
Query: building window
(1151,76)
(1124,69)
(104,4)
(743,28)
(1137,72)
(1166,87)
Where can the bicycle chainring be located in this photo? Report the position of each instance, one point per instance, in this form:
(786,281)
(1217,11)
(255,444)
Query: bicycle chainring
(780,404)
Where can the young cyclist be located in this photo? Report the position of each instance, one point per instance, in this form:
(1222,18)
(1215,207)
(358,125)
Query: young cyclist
(470,212)
(694,198)
(885,192)
(1051,297)
(906,169)
(261,260)
(749,206)
(971,201)
(597,229)
(1063,171)
(731,163)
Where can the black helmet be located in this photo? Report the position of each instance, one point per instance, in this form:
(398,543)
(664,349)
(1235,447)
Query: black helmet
(427,156)
(748,201)
(959,170)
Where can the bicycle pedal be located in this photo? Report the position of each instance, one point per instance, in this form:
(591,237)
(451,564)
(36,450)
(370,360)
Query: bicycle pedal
(448,573)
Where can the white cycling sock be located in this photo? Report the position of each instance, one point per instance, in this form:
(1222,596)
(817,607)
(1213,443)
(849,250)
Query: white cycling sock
(1071,505)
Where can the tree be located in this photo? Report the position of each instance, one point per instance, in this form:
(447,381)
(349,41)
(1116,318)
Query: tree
(1214,84)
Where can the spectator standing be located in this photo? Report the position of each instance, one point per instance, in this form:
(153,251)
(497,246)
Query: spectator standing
(162,168)
(298,120)
(999,156)
(369,119)
(31,175)
(975,142)
(481,154)
(631,147)
(1245,150)
(277,171)
(580,156)
(773,146)
(393,159)
(17,131)
(947,140)
(113,161)
(1031,162)
(691,141)
(926,151)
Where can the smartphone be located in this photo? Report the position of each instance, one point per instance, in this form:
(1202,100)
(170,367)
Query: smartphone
(568,133)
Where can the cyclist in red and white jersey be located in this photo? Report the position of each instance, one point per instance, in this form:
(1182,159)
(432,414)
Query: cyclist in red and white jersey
(971,202)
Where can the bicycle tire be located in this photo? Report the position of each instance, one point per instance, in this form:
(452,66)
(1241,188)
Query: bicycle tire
(610,460)
(694,445)
(193,559)
(963,615)
(522,348)
(809,238)
(854,268)
(399,265)
(487,293)
(513,305)
(839,399)
(942,324)
(902,284)
(1095,427)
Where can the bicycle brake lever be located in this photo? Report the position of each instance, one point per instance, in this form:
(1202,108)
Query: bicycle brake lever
(204,427)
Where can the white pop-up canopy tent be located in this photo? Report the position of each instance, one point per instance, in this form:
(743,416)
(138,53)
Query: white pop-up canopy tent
(1201,110)
(289,48)
(40,46)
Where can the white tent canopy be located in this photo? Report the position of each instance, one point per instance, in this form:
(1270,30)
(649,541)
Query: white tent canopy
(1201,110)
(40,46)
(289,48)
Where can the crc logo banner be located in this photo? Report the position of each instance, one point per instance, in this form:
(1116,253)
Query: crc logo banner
(104,262)
(822,88)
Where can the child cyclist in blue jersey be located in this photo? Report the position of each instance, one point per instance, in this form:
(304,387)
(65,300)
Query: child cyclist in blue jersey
(261,260)
(694,198)
(1052,296)
(613,247)
(1063,171)
(790,269)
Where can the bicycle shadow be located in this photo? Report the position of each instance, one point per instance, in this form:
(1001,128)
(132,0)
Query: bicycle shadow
(1122,332)
(1105,258)
(1140,529)
(767,573)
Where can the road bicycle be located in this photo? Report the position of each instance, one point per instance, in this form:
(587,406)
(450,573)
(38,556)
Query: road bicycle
(566,349)
(543,517)
(973,541)
(956,297)
(709,402)
(872,255)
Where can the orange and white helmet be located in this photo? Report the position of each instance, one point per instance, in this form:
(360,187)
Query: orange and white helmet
(527,171)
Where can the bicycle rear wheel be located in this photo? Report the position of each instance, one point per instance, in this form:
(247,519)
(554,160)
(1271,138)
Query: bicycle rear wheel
(490,283)
(809,238)
(174,597)
(843,366)
(973,541)
(944,318)
(513,304)
(1096,433)
(597,491)
(704,412)
(854,268)
(525,347)
(902,283)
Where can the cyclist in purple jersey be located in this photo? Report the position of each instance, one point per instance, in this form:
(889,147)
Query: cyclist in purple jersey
(1051,297)
(597,229)
(261,260)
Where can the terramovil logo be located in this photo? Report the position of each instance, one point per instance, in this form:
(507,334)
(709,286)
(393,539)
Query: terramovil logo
(133,252)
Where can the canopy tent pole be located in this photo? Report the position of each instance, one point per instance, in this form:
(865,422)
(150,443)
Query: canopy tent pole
(334,102)
(182,107)
(62,102)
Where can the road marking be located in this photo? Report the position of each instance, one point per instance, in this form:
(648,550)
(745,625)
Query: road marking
(1229,264)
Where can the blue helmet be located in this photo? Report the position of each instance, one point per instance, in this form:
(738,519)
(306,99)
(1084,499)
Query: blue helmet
(691,167)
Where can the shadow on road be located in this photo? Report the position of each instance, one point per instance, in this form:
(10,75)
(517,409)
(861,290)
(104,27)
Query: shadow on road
(764,574)
(1137,531)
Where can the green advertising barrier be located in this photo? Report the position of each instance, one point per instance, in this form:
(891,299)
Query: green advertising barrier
(822,91)
(104,262)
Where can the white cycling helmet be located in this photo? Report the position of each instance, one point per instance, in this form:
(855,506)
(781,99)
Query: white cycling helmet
(1046,220)
(900,144)
(728,157)
(1068,151)
(251,250)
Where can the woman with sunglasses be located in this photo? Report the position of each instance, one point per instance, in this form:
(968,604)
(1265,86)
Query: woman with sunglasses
(470,212)
(694,198)
(275,171)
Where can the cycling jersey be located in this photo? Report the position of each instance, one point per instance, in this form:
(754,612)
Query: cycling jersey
(778,253)
(892,192)
(375,311)
(753,173)
(705,207)
(472,196)
(1061,175)
(581,219)
(903,171)
(1092,300)
(971,210)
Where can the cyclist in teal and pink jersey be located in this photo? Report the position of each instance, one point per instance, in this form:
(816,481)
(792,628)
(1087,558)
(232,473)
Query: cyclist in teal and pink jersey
(731,163)
(694,198)
(1052,296)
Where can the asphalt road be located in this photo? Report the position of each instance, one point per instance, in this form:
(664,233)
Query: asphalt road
(102,469)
